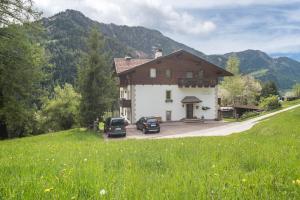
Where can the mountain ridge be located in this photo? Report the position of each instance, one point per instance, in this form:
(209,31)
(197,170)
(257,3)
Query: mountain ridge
(67,31)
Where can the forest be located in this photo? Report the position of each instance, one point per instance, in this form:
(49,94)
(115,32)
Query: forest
(32,99)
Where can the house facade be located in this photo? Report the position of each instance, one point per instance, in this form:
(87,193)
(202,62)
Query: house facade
(173,87)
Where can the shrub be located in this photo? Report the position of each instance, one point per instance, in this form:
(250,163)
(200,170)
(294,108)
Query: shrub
(61,111)
(249,114)
(270,103)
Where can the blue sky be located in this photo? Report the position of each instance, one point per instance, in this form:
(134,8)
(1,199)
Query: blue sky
(213,27)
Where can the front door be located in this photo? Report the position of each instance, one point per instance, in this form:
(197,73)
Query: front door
(189,111)
(168,115)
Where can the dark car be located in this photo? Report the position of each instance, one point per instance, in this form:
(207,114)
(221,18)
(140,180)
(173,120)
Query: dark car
(115,126)
(148,124)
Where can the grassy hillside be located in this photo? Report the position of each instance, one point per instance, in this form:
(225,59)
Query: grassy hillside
(262,163)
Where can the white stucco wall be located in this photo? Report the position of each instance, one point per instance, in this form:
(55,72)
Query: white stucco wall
(149,100)
(125,92)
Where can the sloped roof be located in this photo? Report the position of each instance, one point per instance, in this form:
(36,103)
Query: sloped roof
(123,64)
(250,107)
(190,99)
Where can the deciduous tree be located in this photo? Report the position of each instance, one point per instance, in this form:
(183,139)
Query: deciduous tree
(21,63)
(61,112)
(238,89)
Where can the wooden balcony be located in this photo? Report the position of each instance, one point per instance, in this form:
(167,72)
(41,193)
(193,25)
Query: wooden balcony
(125,103)
(195,82)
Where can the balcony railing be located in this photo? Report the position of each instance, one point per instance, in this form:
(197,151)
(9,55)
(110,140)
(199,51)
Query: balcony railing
(195,82)
(125,103)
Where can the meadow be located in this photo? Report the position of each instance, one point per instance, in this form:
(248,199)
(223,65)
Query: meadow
(262,163)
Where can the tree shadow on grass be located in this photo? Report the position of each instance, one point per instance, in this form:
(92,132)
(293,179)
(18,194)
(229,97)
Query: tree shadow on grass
(83,134)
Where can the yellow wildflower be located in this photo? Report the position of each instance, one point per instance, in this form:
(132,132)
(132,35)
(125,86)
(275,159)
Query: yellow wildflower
(48,189)
(296,182)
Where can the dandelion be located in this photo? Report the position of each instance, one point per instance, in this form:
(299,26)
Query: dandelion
(48,189)
(244,180)
(102,192)
(296,182)
(73,197)
(213,166)
(85,160)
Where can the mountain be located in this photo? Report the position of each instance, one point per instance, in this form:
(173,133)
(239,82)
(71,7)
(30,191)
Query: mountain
(285,72)
(66,33)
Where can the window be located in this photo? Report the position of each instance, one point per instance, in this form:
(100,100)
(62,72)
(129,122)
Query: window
(152,73)
(168,73)
(151,120)
(168,95)
(200,75)
(122,94)
(189,75)
(117,122)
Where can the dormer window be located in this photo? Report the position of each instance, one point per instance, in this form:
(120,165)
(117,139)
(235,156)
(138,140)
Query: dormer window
(152,73)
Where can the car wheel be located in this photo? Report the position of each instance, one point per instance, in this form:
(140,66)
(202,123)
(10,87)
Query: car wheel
(158,131)
(144,131)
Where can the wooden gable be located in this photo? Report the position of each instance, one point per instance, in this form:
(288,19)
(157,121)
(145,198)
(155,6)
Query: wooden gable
(178,64)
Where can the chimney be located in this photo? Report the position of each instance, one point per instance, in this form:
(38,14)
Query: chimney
(127,58)
(158,53)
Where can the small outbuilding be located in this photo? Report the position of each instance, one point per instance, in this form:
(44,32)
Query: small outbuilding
(237,110)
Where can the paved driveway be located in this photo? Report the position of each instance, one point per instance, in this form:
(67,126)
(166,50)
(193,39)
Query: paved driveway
(209,128)
(172,128)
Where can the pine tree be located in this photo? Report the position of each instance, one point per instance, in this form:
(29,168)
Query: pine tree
(268,89)
(296,90)
(96,83)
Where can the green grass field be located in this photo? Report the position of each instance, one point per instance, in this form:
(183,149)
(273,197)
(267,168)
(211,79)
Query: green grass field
(263,163)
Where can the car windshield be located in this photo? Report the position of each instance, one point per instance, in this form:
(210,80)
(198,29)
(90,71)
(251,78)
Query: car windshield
(152,120)
(117,122)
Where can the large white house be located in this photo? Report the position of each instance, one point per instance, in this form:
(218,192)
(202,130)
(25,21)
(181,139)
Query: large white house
(174,87)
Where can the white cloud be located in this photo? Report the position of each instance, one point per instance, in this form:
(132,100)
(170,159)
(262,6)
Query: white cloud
(223,3)
(200,23)
(152,14)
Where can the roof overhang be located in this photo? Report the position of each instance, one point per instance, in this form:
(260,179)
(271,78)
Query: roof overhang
(190,99)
